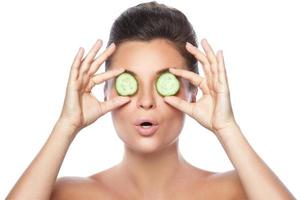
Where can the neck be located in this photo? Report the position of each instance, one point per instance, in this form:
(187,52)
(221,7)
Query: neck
(152,172)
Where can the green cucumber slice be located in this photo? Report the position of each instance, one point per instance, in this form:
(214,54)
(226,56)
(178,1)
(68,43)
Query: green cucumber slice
(167,84)
(126,84)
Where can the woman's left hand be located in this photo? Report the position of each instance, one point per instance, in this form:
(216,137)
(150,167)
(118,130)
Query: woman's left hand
(213,110)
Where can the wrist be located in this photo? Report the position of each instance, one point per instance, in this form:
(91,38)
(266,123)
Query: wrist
(65,128)
(229,131)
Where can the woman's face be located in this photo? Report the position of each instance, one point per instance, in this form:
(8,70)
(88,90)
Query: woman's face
(145,59)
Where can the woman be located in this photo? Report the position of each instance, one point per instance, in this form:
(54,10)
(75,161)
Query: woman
(146,40)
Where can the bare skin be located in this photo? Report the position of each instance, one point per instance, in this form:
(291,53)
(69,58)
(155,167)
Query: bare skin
(152,167)
(191,183)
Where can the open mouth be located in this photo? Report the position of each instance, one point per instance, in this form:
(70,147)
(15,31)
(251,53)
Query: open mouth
(147,128)
(146,125)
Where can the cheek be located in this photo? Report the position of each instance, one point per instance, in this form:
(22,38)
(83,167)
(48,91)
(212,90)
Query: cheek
(122,115)
(121,123)
(173,119)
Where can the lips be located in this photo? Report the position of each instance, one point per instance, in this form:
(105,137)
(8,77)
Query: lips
(142,120)
(146,126)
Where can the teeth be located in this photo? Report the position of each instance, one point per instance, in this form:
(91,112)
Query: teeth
(147,126)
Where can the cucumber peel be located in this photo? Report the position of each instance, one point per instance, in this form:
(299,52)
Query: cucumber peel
(167,84)
(126,84)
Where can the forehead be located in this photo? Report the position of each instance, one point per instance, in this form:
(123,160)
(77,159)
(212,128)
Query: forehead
(147,56)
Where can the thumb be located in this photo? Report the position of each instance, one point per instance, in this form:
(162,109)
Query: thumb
(179,103)
(113,103)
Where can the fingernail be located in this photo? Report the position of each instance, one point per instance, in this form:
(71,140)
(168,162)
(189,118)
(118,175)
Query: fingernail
(189,44)
(112,45)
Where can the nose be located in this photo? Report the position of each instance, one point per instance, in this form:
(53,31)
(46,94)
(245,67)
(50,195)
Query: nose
(146,98)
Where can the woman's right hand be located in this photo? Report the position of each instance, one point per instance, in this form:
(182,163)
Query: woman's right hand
(81,108)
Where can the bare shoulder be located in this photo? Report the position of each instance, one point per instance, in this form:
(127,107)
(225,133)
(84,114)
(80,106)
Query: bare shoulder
(78,188)
(105,186)
(229,183)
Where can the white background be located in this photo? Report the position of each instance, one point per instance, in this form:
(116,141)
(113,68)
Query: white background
(39,39)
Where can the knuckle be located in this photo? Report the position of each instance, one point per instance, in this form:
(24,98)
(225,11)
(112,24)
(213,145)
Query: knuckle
(89,73)
(206,68)
(212,59)
(199,81)
(95,50)
(214,69)
(205,61)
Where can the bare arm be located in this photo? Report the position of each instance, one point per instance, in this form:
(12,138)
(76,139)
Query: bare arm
(257,178)
(80,109)
(214,112)
(37,180)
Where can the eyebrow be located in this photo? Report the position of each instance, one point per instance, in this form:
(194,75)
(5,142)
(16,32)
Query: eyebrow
(158,72)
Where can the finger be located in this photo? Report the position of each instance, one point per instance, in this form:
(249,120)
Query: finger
(202,59)
(101,58)
(76,64)
(207,47)
(212,60)
(221,69)
(180,104)
(113,103)
(99,78)
(194,78)
(90,56)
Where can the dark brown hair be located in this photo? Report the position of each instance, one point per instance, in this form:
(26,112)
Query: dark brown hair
(151,20)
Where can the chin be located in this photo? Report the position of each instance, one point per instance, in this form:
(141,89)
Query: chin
(142,145)
(148,145)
